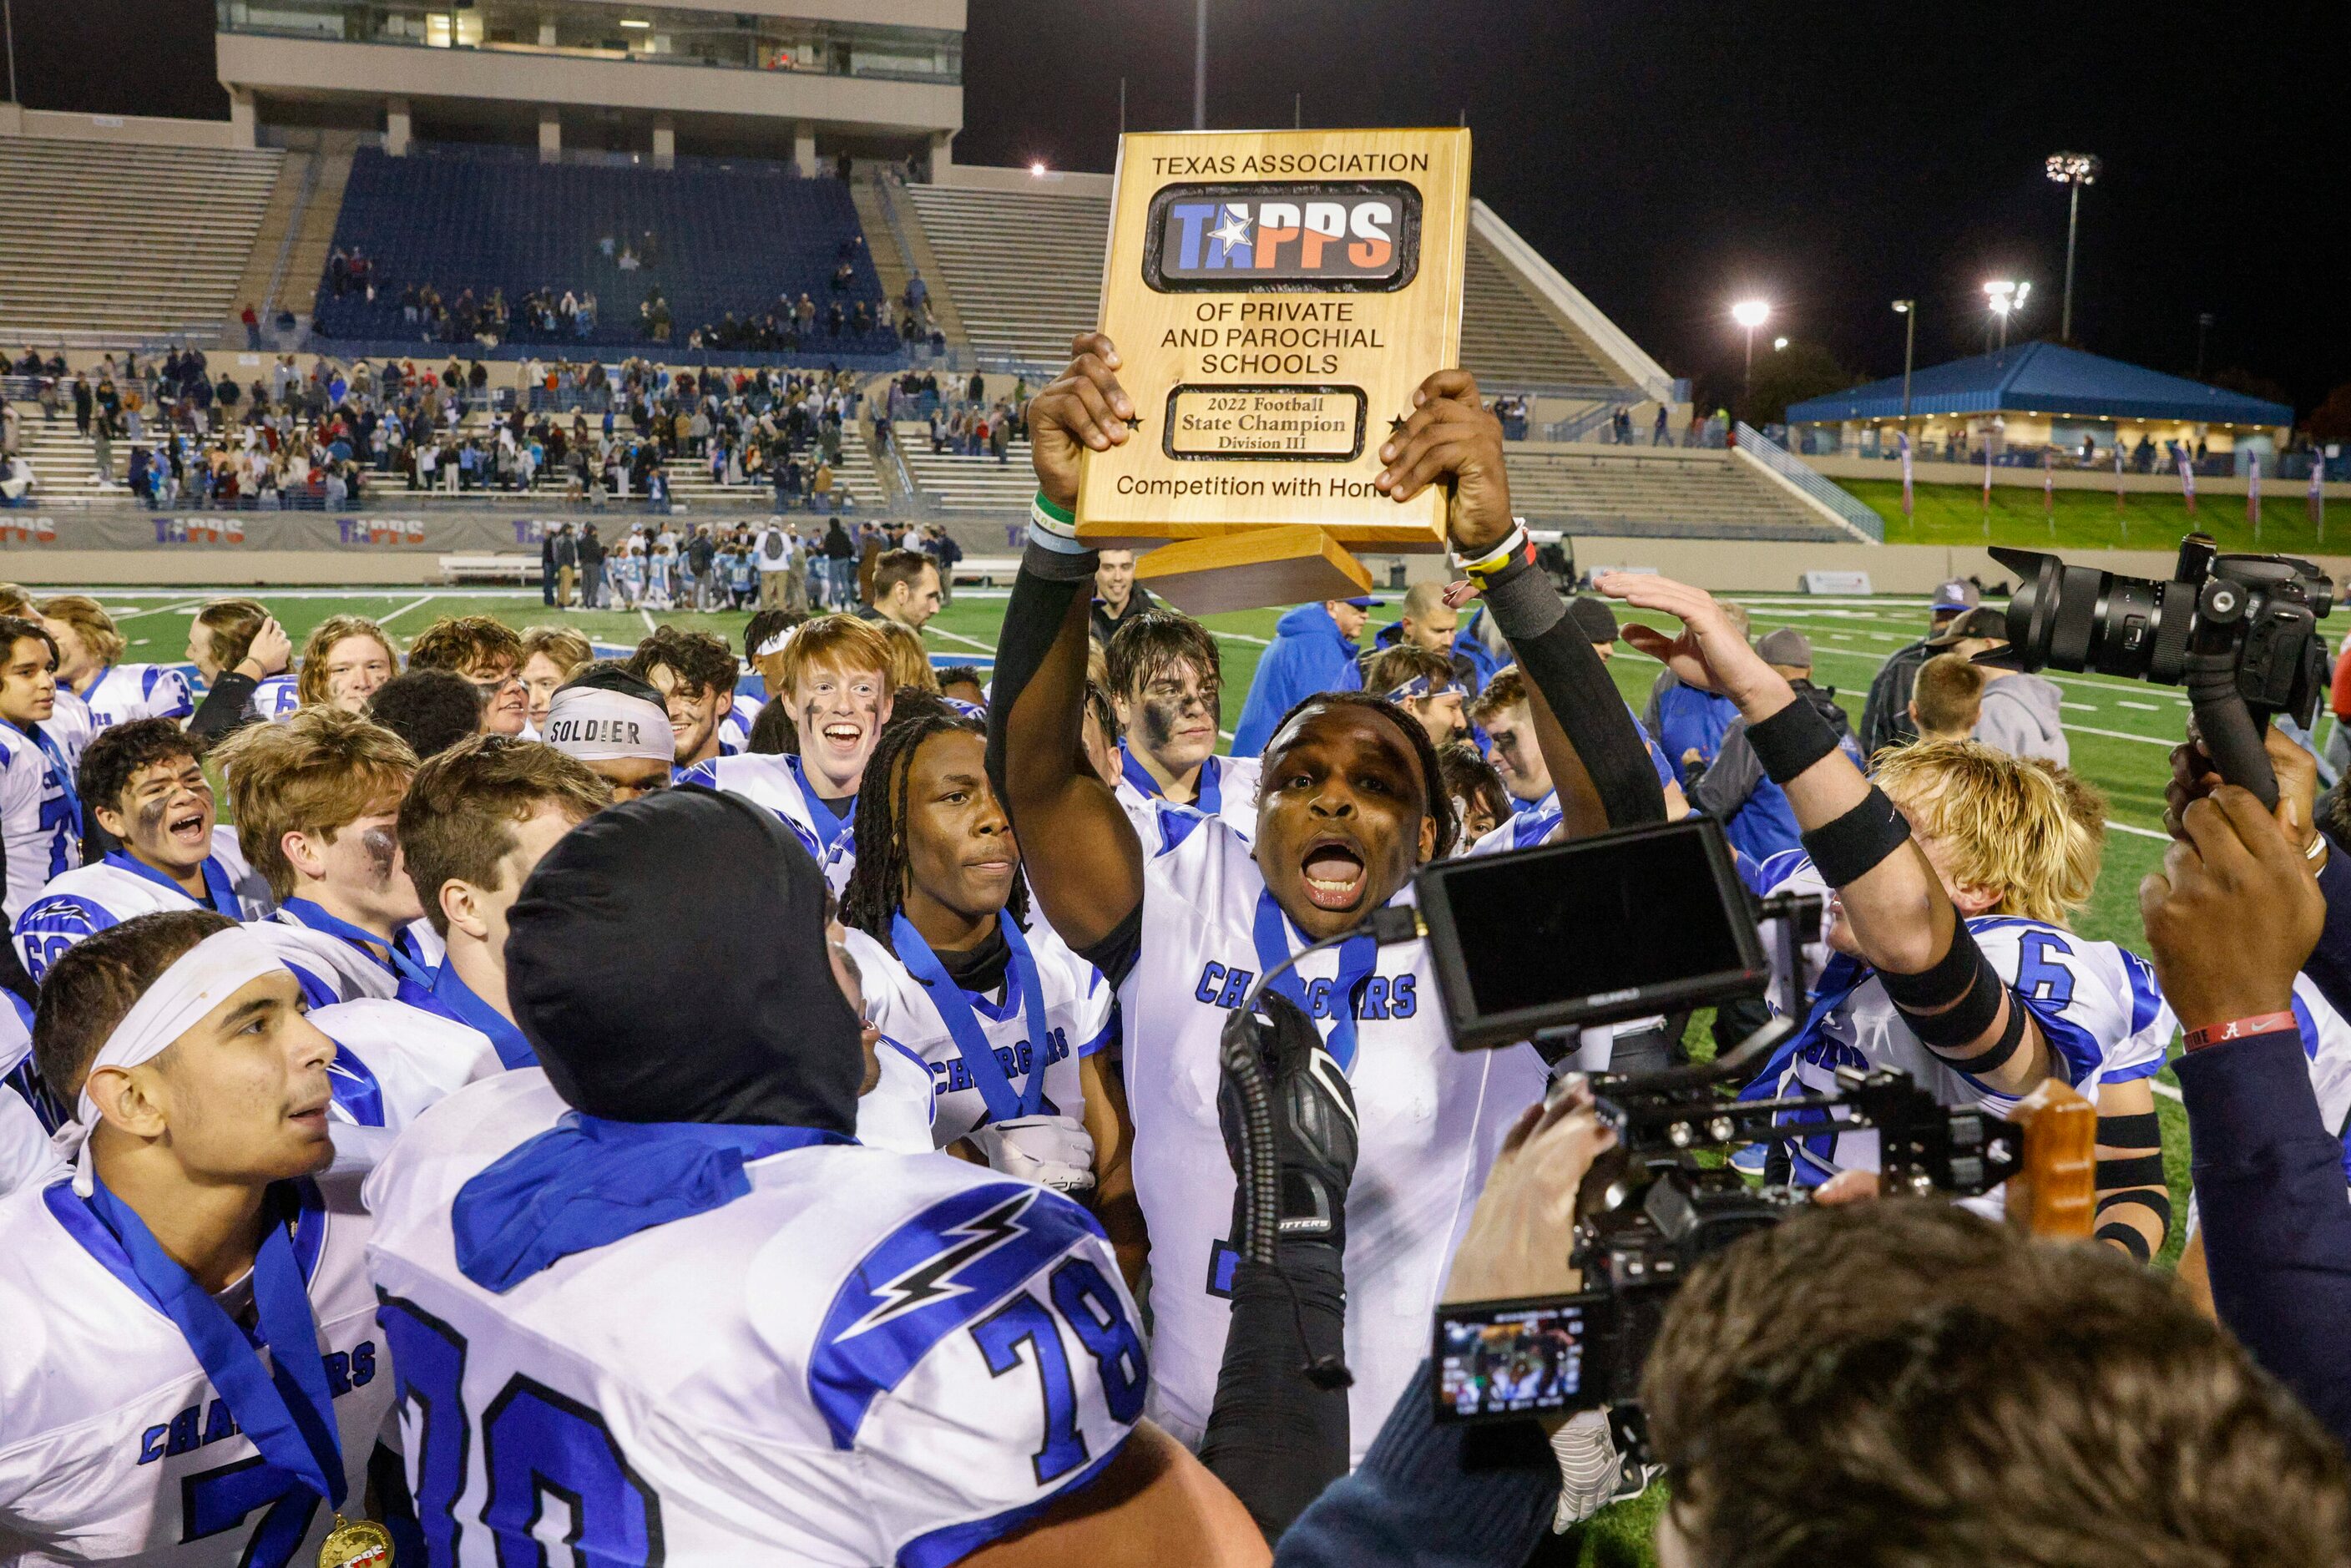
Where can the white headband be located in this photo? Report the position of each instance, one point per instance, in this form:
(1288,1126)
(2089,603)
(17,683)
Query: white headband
(203,978)
(596,724)
(774,644)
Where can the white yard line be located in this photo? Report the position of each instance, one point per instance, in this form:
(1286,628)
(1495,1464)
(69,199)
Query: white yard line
(1244,637)
(958,637)
(647,616)
(187,606)
(2138,832)
(411,604)
(2143,707)
(2081,707)
(2123,735)
(2166,1090)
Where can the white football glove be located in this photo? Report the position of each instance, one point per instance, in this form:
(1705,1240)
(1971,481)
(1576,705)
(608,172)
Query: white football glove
(1053,1151)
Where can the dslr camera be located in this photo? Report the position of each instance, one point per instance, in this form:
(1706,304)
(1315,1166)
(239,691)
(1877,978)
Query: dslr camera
(1633,924)
(2239,632)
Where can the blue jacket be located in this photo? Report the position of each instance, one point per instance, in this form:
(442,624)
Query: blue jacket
(2277,1234)
(1308,655)
(1473,666)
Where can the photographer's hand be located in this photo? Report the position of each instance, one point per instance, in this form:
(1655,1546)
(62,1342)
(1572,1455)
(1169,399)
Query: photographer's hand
(1517,1239)
(2193,777)
(2232,915)
(1083,407)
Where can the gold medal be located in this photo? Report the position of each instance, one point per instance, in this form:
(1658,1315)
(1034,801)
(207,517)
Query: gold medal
(356,1544)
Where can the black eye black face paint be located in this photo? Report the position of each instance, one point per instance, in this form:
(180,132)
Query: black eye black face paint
(383,849)
(149,817)
(1160,717)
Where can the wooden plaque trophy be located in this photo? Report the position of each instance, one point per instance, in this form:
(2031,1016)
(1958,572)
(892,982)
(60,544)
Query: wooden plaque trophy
(1276,297)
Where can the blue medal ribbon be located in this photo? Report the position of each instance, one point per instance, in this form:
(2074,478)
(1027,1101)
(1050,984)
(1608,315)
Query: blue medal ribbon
(65,776)
(403,965)
(284,1409)
(954,1004)
(219,892)
(1358,955)
(830,829)
(1209,800)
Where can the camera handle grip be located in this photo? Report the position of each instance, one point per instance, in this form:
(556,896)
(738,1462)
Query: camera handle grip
(2231,737)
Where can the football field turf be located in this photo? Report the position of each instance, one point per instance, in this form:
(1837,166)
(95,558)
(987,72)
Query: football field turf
(2119,731)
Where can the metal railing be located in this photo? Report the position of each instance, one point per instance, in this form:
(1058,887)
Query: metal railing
(1775,457)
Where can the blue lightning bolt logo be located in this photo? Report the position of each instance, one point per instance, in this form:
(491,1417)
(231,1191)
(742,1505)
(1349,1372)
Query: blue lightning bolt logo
(931,1280)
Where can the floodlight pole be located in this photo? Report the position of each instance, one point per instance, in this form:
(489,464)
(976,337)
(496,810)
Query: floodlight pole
(1200,65)
(2072,221)
(1909,309)
(8,19)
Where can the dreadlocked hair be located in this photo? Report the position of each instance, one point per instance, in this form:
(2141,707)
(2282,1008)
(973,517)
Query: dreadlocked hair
(877,882)
(1435,802)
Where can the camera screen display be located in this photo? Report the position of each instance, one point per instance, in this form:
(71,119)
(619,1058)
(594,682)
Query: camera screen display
(1518,1358)
(1564,929)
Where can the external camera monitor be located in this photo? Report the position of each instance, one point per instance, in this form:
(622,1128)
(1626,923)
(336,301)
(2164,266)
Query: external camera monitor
(1622,926)
(1499,1359)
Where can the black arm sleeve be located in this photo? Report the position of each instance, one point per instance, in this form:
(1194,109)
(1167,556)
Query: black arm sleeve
(227,707)
(1558,660)
(1041,593)
(1274,1436)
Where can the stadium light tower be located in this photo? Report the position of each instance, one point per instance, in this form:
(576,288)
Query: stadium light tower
(1200,65)
(2007,300)
(2072,170)
(1751,314)
(1909,311)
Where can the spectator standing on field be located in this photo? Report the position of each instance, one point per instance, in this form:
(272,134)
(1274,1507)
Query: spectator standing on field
(567,565)
(592,567)
(1886,717)
(546,565)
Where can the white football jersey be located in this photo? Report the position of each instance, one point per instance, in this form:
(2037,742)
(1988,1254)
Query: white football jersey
(114,1446)
(895,1114)
(40,830)
(868,1358)
(2096,1004)
(1079,1013)
(275,697)
(89,898)
(124,692)
(1228,791)
(1432,1120)
(24,1151)
(332,969)
(392,1060)
(777,783)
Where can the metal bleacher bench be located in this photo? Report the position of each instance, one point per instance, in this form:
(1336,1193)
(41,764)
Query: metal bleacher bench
(523,569)
(988,570)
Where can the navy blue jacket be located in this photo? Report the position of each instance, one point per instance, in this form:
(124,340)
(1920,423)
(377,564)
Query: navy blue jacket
(2277,1232)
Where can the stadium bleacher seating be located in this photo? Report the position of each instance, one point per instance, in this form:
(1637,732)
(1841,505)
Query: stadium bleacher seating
(1640,491)
(953,483)
(1024,269)
(124,241)
(729,239)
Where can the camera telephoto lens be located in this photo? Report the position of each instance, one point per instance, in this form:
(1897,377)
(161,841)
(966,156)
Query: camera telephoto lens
(2078,618)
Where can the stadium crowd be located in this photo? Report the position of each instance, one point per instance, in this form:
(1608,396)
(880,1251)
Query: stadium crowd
(696,1104)
(325,436)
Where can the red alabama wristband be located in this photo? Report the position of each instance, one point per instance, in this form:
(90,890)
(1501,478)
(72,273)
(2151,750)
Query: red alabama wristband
(2238,1028)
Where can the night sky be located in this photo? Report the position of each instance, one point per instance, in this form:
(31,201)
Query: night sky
(1671,155)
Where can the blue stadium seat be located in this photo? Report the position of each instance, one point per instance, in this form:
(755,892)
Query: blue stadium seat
(729,239)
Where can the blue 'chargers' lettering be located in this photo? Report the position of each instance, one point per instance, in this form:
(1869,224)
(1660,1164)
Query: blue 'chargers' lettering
(201,1426)
(1382,997)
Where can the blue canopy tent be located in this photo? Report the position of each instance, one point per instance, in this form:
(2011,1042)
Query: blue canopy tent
(2043,378)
